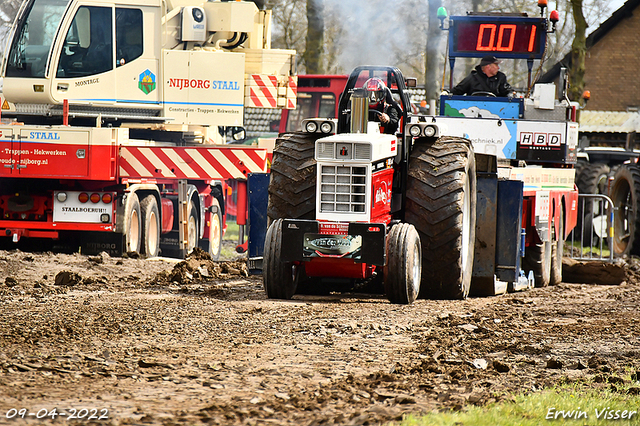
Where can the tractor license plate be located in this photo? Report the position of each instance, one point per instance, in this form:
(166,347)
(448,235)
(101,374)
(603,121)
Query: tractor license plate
(341,246)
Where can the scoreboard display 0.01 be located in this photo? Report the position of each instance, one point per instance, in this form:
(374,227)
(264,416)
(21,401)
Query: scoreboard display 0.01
(504,37)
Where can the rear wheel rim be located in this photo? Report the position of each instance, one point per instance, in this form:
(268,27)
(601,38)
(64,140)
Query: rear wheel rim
(191,237)
(134,231)
(214,242)
(152,234)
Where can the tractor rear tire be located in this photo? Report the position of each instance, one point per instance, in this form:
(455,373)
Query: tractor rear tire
(538,258)
(441,204)
(402,274)
(277,276)
(625,195)
(292,187)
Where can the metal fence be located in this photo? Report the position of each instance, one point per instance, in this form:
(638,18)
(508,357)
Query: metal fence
(592,238)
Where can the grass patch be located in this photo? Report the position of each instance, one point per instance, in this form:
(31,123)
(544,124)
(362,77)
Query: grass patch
(230,241)
(575,404)
(574,248)
(232,231)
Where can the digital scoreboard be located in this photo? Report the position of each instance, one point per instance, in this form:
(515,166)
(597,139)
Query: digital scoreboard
(501,36)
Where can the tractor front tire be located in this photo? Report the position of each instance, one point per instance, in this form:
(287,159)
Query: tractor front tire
(277,276)
(402,274)
(292,186)
(441,204)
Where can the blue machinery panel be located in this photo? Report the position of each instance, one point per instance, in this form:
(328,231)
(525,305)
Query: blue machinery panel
(481,107)
(258,195)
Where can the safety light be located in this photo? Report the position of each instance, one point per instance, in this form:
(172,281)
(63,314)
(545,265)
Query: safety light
(95,198)
(312,126)
(83,197)
(107,198)
(586,95)
(441,14)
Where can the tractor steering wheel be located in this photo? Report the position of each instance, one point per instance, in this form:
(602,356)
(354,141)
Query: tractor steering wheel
(490,94)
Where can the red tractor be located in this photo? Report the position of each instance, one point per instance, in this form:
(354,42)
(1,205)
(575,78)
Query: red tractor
(419,212)
(356,203)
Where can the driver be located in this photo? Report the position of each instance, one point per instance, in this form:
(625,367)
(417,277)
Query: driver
(485,77)
(382,107)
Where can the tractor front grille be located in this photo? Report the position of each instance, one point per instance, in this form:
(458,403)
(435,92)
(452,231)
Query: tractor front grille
(343,189)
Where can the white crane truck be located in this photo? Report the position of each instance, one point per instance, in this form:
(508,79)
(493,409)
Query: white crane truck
(120,113)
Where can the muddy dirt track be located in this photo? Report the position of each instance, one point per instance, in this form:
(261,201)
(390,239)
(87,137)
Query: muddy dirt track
(160,342)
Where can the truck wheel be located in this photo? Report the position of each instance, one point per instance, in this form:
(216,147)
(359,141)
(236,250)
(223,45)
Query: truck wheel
(215,231)
(277,275)
(593,179)
(150,226)
(292,186)
(441,204)
(556,253)
(625,195)
(192,228)
(133,231)
(537,258)
(402,274)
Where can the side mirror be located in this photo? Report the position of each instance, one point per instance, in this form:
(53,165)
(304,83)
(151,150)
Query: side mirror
(238,133)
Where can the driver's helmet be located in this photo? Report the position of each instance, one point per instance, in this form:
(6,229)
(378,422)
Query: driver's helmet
(376,91)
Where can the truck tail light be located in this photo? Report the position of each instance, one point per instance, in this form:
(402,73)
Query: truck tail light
(83,197)
(107,198)
(95,198)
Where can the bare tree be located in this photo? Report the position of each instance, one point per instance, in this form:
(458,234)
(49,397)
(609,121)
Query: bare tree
(8,11)
(578,52)
(315,37)
(405,33)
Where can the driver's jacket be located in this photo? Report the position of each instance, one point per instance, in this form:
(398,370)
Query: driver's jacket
(478,81)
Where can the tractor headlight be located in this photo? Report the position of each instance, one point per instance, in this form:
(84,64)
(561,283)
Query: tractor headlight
(326,127)
(312,126)
(415,131)
(429,131)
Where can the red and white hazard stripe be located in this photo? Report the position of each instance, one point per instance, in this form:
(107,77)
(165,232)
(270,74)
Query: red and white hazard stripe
(263,90)
(191,162)
(292,93)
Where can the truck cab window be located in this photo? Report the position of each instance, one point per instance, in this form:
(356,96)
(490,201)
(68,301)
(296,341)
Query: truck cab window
(33,38)
(128,35)
(88,45)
